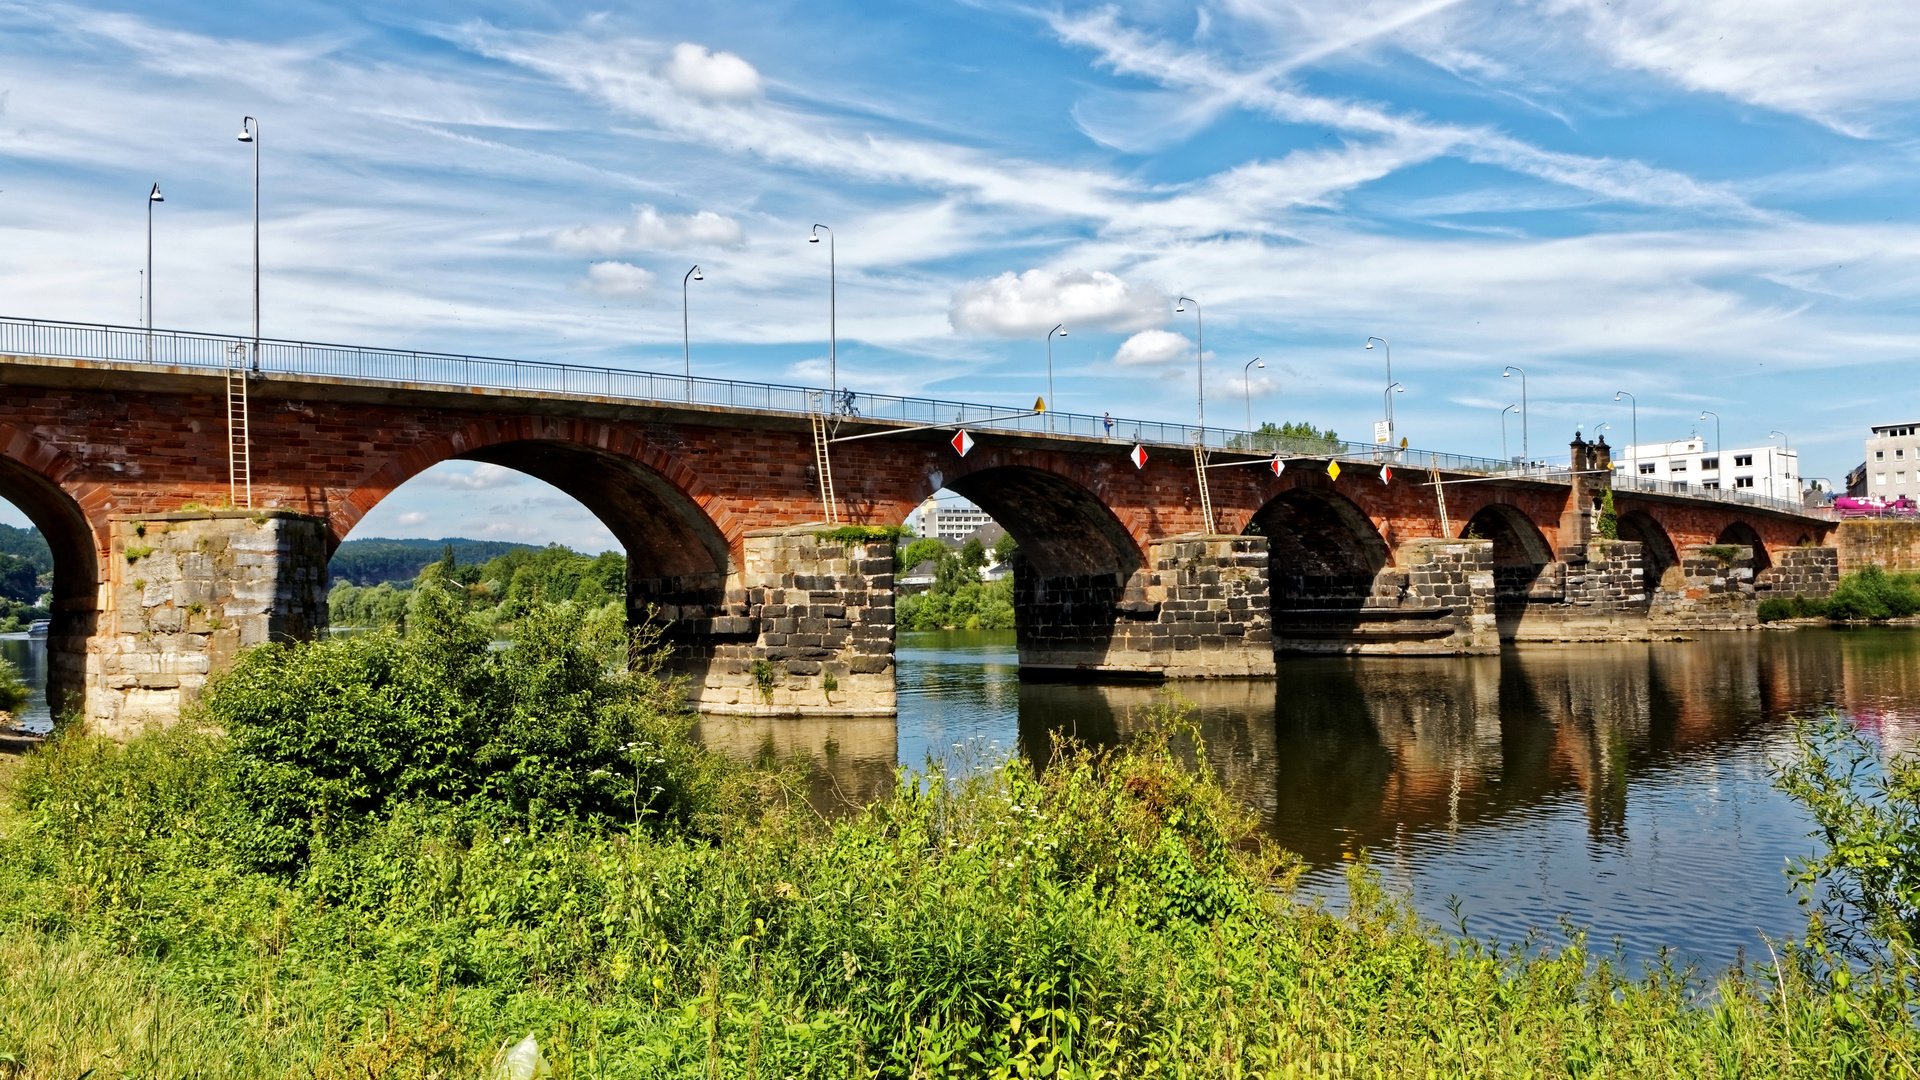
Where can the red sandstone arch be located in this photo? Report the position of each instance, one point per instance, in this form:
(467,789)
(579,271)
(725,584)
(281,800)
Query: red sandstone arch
(74,522)
(1320,544)
(659,508)
(1517,541)
(1063,527)
(1657,553)
(1745,535)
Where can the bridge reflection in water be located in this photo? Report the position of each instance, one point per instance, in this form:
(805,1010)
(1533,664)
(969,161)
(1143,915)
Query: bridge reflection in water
(1623,787)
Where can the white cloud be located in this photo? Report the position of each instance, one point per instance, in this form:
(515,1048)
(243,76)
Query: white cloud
(412,518)
(719,76)
(1153,347)
(618,279)
(1833,63)
(651,230)
(1020,305)
(480,477)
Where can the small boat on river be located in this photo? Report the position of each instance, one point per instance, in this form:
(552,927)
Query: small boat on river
(39,627)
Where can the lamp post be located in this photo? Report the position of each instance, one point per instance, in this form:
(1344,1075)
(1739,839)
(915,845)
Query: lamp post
(686,336)
(250,133)
(833,315)
(1786,447)
(1717,444)
(1503,432)
(1246,374)
(1505,373)
(1386,396)
(1199,358)
(1061,330)
(153,196)
(1388,350)
(1634,456)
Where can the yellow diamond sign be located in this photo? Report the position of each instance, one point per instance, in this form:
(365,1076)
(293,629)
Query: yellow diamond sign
(1333,469)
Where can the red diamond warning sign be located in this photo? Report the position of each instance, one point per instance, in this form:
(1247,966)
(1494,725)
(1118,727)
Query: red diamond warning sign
(962,442)
(1139,456)
(1386,474)
(1277,465)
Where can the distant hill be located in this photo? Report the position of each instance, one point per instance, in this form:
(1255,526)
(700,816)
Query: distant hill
(374,560)
(27,544)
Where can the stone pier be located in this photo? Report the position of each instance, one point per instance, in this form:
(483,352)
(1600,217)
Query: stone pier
(185,592)
(1198,610)
(1436,599)
(807,630)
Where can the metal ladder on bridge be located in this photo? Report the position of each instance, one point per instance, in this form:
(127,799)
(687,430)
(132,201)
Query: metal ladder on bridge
(1440,495)
(239,456)
(824,466)
(1200,474)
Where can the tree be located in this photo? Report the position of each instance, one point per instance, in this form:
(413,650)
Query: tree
(1004,548)
(1292,437)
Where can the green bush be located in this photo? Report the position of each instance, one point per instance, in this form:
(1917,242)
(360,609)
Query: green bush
(1775,608)
(568,721)
(1872,593)
(13,689)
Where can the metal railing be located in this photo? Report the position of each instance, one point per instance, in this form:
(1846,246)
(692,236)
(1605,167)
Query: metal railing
(270,356)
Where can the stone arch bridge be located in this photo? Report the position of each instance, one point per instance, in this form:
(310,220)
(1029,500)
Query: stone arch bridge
(123,463)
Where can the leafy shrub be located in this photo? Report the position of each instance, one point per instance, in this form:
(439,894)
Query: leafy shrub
(1872,593)
(13,689)
(1775,608)
(568,720)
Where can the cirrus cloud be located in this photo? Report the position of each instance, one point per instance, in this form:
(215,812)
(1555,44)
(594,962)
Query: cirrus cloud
(1018,305)
(718,76)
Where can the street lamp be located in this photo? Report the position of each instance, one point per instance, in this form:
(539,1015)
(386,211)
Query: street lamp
(686,337)
(1246,374)
(1387,396)
(1505,373)
(250,133)
(1051,403)
(1503,432)
(833,315)
(1718,445)
(1199,358)
(1633,454)
(1786,447)
(153,196)
(1388,349)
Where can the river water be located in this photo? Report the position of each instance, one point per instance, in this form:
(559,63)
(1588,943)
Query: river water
(1620,789)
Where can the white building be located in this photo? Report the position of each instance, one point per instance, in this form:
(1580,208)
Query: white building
(1893,461)
(1768,470)
(953,519)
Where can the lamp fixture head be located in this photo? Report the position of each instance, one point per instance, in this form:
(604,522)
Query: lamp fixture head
(246,128)
(154,195)
(1369,345)
(1259,363)
(697,275)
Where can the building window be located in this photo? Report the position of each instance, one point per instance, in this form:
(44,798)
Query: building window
(1879,479)
(1676,466)
(1742,460)
(1646,469)
(1899,452)
(1879,455)
(1710,485)
(1709,463)
(1743,481)
(1900,477)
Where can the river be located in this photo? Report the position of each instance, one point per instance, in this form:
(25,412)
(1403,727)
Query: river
(1620,789)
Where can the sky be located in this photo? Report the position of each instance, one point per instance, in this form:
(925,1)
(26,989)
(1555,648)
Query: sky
(1704,203)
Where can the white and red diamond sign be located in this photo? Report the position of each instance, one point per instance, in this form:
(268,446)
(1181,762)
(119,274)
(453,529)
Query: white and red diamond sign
(1277,465)
(1386,473)
(1139,456)
(962,442)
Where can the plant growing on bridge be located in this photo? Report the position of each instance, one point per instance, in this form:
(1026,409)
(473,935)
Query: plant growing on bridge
(861,534)
(1607,524)
(765,676)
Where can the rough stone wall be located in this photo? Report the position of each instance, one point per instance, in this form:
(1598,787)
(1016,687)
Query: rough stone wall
(1803,571)
(1437,600)
(1604,598)
(1893,546)
(1198,610)
(1712,588)
(185,593)
(815,637)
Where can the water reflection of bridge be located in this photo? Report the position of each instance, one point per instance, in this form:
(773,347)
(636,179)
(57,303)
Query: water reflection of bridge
(1344,753)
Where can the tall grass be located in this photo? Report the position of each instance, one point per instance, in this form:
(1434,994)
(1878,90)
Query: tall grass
(1113,915)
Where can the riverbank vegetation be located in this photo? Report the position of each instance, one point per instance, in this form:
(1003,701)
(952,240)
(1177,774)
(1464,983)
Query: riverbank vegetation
(960,597)
(498,591)
(26,575)
(1866,595)
(391,855)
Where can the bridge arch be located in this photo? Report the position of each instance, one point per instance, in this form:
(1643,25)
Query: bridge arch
(73,521)
(1063,528)
(1520,551)
(1322,549)
(1657,553)
(1745,535)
